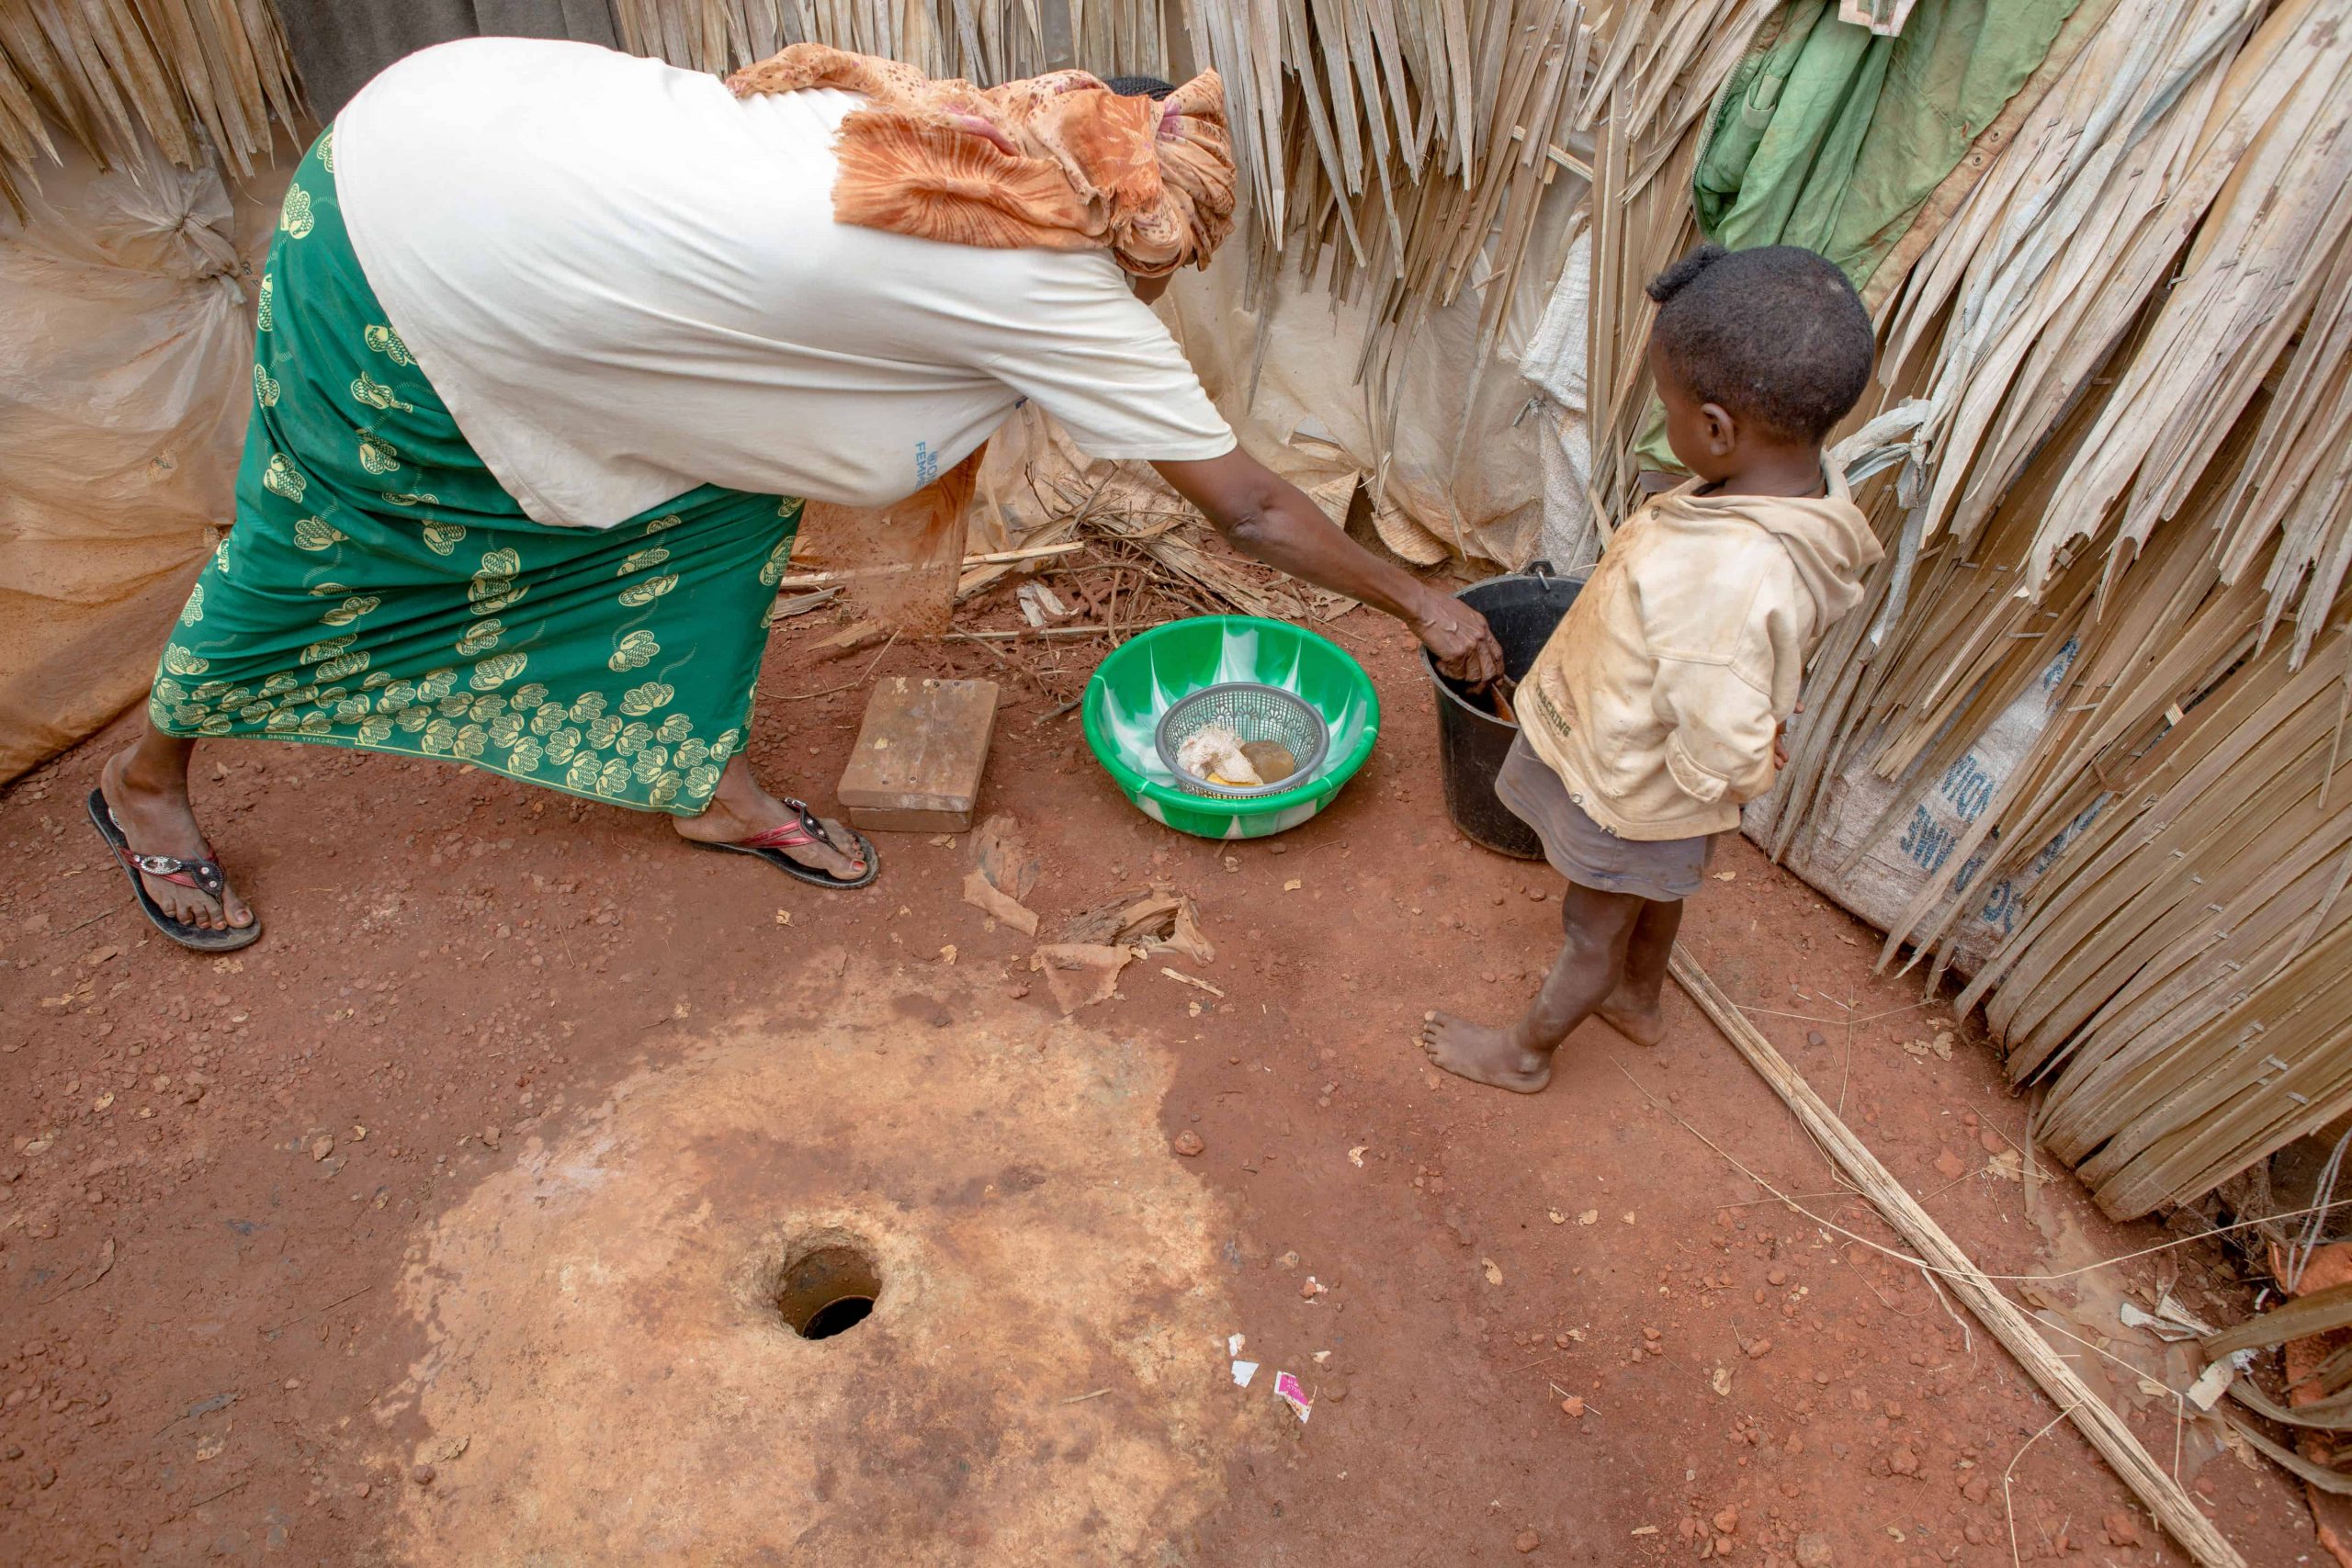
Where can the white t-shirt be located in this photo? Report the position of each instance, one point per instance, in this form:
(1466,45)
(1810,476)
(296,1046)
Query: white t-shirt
(625,283)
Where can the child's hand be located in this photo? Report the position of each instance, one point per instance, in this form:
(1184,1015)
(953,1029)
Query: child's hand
(1781,741)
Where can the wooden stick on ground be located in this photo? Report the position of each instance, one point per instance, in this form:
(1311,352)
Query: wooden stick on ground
(2008,1323)
(988,558)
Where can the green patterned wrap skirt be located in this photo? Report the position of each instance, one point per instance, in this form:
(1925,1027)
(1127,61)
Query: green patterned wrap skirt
(380,589)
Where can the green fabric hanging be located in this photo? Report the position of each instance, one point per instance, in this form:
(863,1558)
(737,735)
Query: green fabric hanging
(1831,137)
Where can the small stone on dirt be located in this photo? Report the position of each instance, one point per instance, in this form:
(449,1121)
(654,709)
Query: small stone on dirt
(1759,1349)
(422,1474)
(1813,1551)
(1573,1405)
(1728,1521)
(1188,1143)
(1527,1541)
(1776,1276)
(1992,1142)
(1815,1037)
(1952,1166)
(321,1147)
(2122,1529)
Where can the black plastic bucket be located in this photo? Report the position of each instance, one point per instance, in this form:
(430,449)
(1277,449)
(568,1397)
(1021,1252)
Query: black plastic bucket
(1472,741)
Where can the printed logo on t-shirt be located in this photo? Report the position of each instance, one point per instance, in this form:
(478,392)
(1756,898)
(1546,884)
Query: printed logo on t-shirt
(926,464)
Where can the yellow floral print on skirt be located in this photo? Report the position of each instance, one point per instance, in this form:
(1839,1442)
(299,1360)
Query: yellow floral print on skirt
(379,590)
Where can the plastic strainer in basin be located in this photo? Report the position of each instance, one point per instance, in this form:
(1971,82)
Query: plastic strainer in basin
(1141,679)
(1254,712)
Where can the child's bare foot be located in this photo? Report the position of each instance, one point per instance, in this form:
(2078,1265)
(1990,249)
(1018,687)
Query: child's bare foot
(1483,1055)
(1629,1016)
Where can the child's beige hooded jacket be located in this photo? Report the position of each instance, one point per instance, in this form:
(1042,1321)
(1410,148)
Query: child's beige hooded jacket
(1656,699)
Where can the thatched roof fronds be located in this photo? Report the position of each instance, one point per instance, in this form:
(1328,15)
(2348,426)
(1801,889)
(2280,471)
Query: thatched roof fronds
(986,42)
(2131,318)
(118,76)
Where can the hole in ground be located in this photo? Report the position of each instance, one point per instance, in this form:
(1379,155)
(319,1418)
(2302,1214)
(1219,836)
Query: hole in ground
(837,1317)
(827,1291)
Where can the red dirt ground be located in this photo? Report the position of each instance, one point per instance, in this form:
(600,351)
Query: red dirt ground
(196,1287)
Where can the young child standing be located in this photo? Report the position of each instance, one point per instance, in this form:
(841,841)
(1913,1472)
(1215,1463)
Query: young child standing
(1656,707)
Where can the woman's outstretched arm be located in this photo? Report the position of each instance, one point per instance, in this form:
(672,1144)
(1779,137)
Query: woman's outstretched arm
(1270,519)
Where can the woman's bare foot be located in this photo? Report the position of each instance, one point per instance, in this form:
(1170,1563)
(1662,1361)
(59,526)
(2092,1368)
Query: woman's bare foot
(1625,1011)
(146,790)
(739,807)
(1483,1055)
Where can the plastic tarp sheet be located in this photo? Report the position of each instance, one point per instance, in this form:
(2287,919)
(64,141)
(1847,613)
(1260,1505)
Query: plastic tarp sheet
(1456,462)
(125,375)
(1555,361)
(1874,869)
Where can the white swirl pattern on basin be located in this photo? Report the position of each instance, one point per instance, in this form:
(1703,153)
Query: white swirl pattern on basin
(1135,730)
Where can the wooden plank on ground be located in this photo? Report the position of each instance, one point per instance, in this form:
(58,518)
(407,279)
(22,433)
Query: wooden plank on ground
(916,768)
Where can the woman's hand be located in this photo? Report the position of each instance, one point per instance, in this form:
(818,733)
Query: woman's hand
(1459,639)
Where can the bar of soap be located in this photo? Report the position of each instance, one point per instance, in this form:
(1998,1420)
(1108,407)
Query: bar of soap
(1271,758)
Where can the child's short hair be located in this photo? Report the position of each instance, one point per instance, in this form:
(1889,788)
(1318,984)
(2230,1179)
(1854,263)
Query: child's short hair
(1775,334)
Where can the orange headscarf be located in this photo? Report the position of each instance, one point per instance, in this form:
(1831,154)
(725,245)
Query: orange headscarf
(1057,161)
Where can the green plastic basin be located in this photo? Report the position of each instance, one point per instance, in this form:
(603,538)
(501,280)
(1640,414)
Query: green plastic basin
(1145,677)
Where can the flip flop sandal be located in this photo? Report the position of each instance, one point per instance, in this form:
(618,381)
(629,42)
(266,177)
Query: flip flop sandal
(770,847)
(200,875)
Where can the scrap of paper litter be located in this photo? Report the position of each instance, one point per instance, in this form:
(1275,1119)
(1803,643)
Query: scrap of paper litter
(1288,1389)
(1243,1372)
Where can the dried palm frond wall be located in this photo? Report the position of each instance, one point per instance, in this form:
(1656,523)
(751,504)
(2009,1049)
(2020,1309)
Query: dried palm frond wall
(197,79)
(2130,309)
